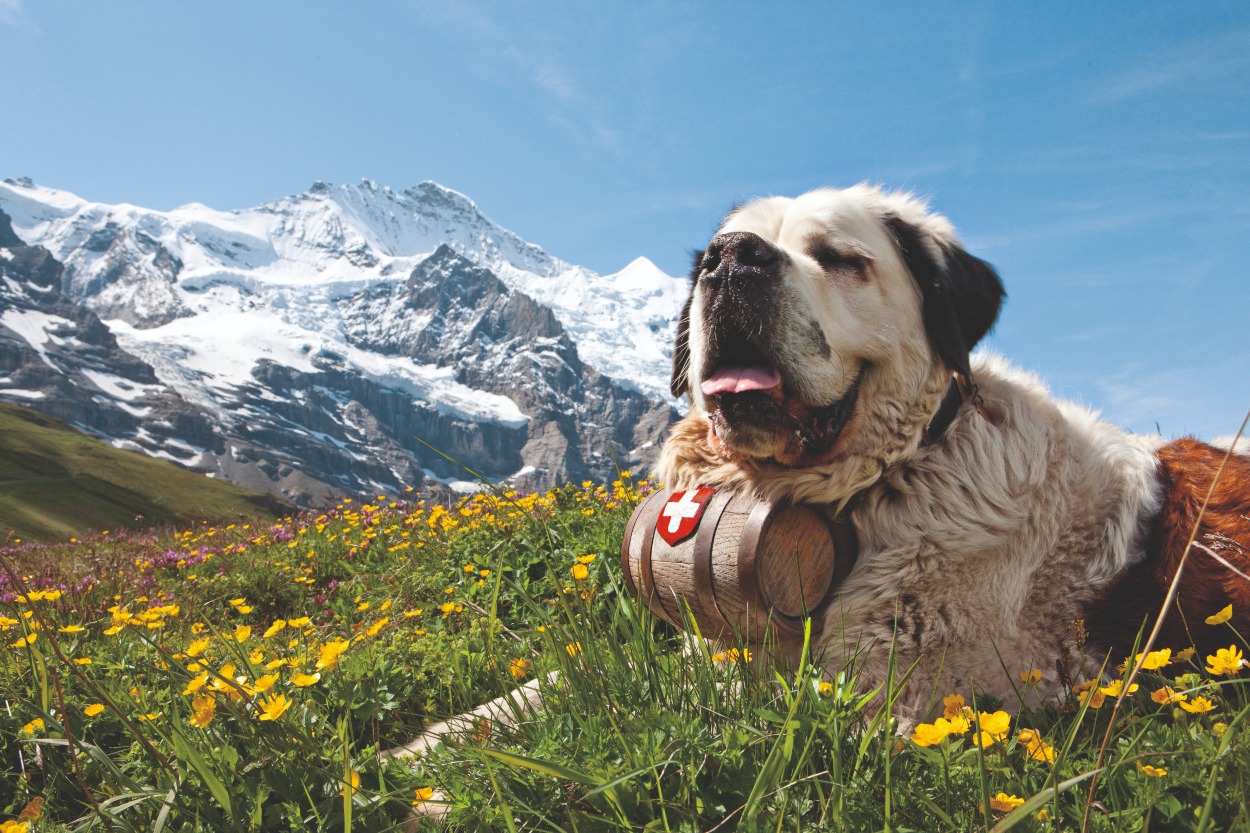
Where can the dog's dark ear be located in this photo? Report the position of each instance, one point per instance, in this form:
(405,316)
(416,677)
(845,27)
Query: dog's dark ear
(961,294)
(679,384)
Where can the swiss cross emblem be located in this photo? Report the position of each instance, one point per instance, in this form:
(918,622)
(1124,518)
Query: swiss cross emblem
(681,514)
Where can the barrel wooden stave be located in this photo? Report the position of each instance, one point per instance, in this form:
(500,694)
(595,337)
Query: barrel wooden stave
(749,568)
(794,561)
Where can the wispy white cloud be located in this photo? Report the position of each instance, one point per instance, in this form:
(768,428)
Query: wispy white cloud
(1192,62)
(1206,400)
(1077,222)
(544,60)
(11,11)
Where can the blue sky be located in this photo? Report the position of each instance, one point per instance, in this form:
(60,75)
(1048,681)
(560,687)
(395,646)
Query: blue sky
(1098,154)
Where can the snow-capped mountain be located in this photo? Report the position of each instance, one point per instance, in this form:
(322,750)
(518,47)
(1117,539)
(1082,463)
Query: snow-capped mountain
(323,336)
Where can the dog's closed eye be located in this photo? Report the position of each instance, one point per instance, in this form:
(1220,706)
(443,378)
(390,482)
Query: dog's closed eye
(832,259)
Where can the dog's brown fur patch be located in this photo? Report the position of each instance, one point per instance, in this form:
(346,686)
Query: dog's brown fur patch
(1186,470)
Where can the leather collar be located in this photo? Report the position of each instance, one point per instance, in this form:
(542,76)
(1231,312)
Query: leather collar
(947,411)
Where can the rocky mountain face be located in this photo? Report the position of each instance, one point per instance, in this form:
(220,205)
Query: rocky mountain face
(346,340)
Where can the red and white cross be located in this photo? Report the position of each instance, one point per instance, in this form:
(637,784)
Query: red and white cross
(681,514)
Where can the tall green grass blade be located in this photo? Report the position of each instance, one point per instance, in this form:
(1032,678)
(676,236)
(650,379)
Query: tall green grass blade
(547,768)
(190,755)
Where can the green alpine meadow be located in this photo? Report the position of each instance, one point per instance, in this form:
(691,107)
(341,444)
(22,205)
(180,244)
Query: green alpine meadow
(252,675)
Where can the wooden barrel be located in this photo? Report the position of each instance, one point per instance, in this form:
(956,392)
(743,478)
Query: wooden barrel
(740,566)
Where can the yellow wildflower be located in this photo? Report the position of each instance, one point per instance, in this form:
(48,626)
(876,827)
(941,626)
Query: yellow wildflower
(1198,705)
(93,709)
(350,788)
(422,795)
(518,668)
(203,707)
(274,707)
(1031,678)
(1152,771)
(930,734)
(1005,803)
(953,704)
(1036,748)
(377,626)
(1186,654)
(197,647)
(1094,697)
(265,683)
(304,680)
(1114,688)
(31,727)
(960,723)
(196,683)
(330,652)
(1221,617)
(573,648)
(1225,662)
(580,572)
(275,627)
(71,629)
(14,826)
(219,683)
(825,688)
(242,632)
(732,656)
(994,727)
(82,660)
(23,641)
(1166,695)
(586,559)
(1155,660)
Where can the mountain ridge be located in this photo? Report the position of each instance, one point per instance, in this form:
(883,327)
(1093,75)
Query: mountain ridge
(296,330)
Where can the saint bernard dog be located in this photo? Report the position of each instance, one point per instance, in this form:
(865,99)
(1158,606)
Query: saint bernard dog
(825,350)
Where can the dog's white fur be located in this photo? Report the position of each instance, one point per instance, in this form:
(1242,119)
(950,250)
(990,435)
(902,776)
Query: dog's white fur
(977,552)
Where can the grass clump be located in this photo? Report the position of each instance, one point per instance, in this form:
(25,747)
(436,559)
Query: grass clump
(247,677)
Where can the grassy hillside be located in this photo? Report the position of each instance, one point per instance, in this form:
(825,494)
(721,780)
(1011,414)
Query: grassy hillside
(56,482)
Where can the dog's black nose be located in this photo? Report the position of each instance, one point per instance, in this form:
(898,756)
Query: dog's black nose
(739,251)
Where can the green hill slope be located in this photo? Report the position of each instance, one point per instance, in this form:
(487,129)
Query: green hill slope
(56,482)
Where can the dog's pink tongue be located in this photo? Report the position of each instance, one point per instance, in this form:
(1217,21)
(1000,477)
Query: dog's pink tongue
(739,379)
